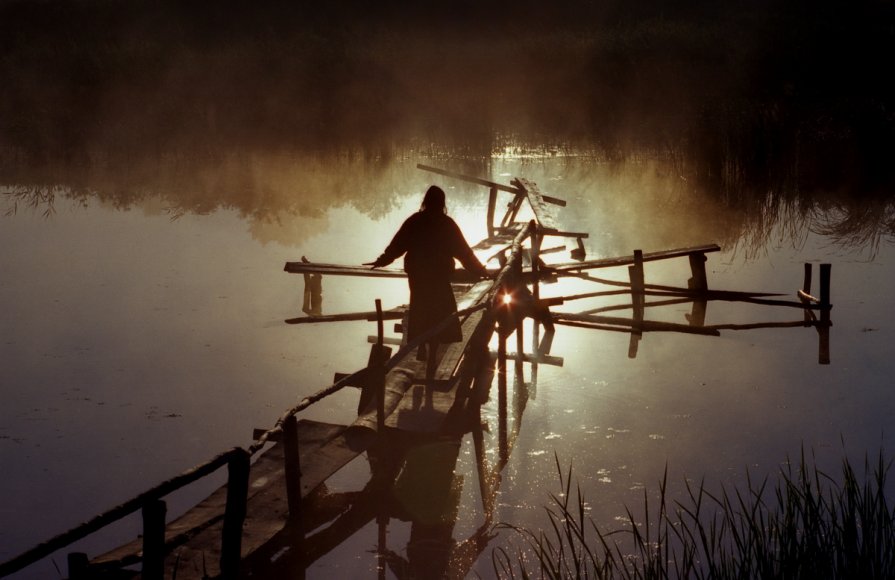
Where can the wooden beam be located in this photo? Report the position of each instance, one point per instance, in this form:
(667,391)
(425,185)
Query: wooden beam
(543,213)
(394,314)
(341,270)
(628,260)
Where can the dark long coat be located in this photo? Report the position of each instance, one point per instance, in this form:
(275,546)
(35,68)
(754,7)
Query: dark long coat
(429,241)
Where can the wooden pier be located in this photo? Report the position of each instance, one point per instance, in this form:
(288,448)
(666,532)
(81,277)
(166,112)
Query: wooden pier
(270,516)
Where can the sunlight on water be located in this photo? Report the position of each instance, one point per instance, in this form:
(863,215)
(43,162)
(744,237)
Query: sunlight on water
(141,337)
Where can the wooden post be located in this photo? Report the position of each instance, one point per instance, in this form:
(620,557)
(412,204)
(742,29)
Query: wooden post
(824,329)
(536,239)
(502,395)
(698,279)
(520,349)
(235,513)
(292,467)
(825,292)
(492,204)
(377,374)
(635,273)
(154,540)
(78,566)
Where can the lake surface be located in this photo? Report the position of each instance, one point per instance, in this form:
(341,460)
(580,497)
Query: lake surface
(142,333)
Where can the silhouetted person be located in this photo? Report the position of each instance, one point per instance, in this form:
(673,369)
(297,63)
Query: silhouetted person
(431,240)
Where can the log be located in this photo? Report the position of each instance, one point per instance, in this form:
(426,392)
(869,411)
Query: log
(628,260)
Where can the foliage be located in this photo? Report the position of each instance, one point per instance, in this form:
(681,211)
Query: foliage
(810,525)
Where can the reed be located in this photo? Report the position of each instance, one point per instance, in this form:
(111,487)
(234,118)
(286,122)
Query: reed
(810,525)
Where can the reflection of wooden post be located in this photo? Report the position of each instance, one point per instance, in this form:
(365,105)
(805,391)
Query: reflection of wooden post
(502,395)
(235,513)
(153,540)
(478,441)
(292,467)
(635,273)
(824,328)
(382,546)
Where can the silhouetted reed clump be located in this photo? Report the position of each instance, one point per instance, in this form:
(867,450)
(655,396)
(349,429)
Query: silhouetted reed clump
(810,525)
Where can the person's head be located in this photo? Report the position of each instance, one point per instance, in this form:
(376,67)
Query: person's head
(433,200)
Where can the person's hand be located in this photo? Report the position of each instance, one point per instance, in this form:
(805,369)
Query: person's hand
(378,263)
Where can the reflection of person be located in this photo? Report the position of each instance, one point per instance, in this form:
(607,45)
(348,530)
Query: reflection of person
(431,240)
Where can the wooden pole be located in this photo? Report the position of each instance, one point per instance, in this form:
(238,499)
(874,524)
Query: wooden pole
(635,273)
(823,356)
(78,566)
(536,239)
(806,288)
(492,205)
(502,395)
(154,540)
(698,279)
(235,513)
(378,372)
(292,467)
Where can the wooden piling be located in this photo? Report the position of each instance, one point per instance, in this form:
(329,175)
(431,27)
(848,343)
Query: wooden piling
(154,540)
(502,395)
(638,298)
(377,372)
(78,566)
(292,467)
(823,356)
(492,204)
(825,271)
(698,279)
(806,289)
(235,513)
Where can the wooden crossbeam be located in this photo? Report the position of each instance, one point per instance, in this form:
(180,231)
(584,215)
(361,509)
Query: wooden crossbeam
(341,270)
(628,260)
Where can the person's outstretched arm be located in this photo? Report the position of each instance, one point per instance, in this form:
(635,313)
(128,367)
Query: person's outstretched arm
(394,250)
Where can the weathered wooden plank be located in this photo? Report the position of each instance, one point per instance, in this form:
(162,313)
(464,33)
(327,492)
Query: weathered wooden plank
(628,260)
(454,351)
(393,314)
(267,470)
(644,326)
(544,213)
(341,270)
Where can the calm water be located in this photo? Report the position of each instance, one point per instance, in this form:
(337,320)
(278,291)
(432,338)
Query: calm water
(142,333)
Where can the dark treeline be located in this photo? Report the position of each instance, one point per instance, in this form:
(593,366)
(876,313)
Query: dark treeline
(759,95)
